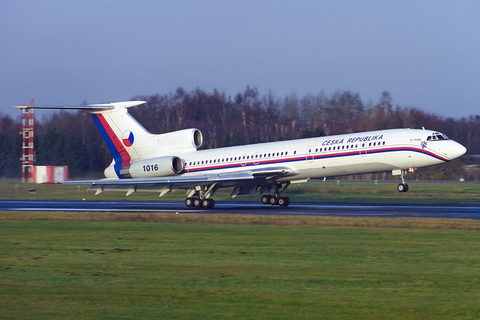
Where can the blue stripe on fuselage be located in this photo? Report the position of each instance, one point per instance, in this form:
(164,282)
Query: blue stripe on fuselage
(316,157)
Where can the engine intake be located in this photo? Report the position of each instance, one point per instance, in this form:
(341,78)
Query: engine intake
(155,167)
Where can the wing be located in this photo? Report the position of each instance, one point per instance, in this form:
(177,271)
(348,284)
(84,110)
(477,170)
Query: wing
(265,176)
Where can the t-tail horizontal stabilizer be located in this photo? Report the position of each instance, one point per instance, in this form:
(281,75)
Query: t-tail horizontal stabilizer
(92,108)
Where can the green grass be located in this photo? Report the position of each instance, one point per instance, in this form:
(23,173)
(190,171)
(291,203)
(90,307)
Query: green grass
(465,193)
(132,270)
(67,265)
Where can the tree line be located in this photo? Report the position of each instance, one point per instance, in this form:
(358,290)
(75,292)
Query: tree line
(71,138)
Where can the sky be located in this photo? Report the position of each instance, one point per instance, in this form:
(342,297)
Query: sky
(61,52)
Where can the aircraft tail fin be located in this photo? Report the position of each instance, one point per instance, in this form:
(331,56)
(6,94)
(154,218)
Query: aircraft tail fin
(126,139)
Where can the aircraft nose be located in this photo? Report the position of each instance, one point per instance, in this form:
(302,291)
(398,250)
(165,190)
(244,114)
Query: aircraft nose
(455,150)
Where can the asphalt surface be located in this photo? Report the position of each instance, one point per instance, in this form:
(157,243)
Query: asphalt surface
(308,209)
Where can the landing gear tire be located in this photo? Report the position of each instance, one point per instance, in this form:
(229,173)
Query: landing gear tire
(197,203)
(189,202)
(273,201)
(208,203)
(283,201)
(402,187)
(266,199)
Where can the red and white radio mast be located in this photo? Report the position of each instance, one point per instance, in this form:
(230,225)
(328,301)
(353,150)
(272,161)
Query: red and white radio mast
(27,143)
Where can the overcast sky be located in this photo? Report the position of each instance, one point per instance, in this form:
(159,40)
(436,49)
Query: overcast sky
(425,53)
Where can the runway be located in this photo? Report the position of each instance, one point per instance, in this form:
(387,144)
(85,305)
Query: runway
(229,207)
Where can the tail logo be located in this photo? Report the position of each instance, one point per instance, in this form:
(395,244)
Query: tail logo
(127,138)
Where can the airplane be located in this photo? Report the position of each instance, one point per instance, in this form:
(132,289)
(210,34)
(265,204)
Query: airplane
(165,162)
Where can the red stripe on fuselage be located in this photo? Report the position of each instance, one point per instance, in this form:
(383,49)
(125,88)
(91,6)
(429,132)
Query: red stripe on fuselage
(316,156)
(115,141)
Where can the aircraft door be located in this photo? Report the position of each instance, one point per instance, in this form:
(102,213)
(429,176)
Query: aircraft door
(244,159)
(257,158)
(310,154)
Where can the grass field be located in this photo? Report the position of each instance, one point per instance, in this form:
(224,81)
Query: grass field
(132,270)
(66,265)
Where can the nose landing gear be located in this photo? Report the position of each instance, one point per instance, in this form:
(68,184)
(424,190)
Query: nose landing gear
(402,187)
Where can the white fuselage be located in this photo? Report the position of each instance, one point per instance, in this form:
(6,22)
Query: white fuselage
(346,154)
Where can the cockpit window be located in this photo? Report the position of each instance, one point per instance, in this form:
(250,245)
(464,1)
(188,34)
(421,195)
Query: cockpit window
(436,136)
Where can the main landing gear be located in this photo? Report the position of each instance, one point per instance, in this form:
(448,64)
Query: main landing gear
(403,186)
(277,199)
(200,197)
(274,201)
(199,203)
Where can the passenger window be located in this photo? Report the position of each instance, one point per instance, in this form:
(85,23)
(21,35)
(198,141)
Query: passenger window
(383,142)
(294,152)
(281,154)
(286,153)
(277,154)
